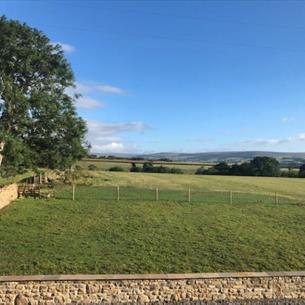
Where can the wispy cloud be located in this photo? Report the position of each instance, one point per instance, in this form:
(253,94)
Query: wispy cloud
(286,120)
(88,103)
(85,88)
(105,137)
(65,46)
(273,141)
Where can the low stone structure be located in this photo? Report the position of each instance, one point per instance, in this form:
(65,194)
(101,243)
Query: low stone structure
(8,194)
(144,289)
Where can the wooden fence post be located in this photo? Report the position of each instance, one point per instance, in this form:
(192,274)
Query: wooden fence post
(189,195)
(73,191)
(276,199)
(157,194)
(118,192)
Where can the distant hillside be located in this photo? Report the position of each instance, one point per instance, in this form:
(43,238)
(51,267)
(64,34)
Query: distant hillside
(286,159)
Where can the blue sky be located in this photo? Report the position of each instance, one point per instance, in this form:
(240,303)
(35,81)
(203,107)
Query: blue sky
(184,76)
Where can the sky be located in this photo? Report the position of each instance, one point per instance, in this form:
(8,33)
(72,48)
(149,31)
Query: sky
(181,76)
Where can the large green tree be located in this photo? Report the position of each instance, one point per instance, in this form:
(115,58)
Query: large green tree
(265,166)
(39,125)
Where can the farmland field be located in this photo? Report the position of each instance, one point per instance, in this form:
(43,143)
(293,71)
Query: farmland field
(98,234)
(104,164)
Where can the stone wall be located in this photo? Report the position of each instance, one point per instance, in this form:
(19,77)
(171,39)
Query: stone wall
(143,289)
(8,194)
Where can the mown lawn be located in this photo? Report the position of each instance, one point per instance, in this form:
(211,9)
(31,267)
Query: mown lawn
(92,235)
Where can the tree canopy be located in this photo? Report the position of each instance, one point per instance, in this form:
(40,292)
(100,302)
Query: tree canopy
(259,166)
(39,126)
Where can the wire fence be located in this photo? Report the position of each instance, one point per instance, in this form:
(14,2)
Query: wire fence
(188,195)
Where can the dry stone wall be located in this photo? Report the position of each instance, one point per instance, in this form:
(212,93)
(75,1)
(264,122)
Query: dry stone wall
(145,289)
(8,194)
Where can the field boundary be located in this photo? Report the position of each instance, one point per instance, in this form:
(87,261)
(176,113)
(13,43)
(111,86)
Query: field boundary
(147,289)
(190,195)
(140,277)
(8,194)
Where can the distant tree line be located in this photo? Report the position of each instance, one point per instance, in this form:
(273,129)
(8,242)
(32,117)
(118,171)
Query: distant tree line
(259,166)
(148,167)
(135,158)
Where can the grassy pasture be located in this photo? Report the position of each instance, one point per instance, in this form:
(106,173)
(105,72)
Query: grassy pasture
(97,234)
(289,187)
(104,164)
(92,235)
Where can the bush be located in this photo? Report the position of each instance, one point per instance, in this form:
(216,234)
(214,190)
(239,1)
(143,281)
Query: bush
(289,174)
(302,171)
(10,171)
(204,171)
(259,166)
(161,169)
(116,169)
(148,167)
(134,168)
(176,170)
(92,167)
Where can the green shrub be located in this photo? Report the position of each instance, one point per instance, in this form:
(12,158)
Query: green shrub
(289,174)
(116,169)
(78,167)
(175,170)
(135,169)
(92,167)
(200,171)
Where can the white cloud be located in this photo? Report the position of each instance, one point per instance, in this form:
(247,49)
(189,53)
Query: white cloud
(273,142)
(287,120)
(88,103)
(65,46)
(84,88)
(104,137)
(113,147)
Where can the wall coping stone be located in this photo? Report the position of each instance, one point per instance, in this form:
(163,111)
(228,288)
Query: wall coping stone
(140,277)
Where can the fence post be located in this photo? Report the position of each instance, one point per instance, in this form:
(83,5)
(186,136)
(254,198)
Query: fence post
(73,191)
(276,199)
(118,193)
(157,194)
(231,197)
(189,195)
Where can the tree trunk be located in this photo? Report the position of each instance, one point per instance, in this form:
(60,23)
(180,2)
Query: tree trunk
(1,149)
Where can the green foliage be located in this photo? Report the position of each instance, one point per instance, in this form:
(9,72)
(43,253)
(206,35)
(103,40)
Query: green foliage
(200,171)
(265,167)
(92,167)
(39,123)
(134,168)
(302,171)
(116,169)
(223,168)
(290,173)
(148,167)
(259,166)
(175,170)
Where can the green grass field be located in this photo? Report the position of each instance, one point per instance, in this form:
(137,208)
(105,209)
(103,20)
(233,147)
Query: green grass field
(96,234)
(105,165)
(289,187)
